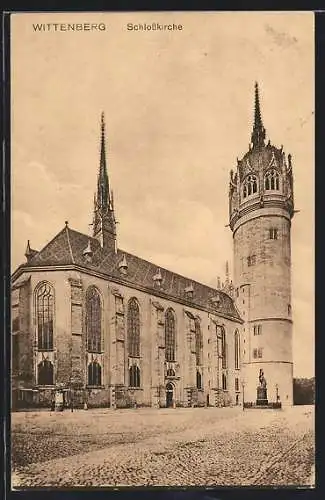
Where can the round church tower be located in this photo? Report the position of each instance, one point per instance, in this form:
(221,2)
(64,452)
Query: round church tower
(261,207)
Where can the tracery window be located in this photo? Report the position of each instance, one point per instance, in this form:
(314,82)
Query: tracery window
(198,380)
(45,373)
(272,180)
(223,348)
(44,298)
(170,336)
(133,328)
(224,381)
(94,373)
(93,320)
(237,350)
(170,372)
(198,342)
(250,185)
(134,376)
(15,353)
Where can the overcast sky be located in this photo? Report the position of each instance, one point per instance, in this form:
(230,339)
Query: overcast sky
(179,110)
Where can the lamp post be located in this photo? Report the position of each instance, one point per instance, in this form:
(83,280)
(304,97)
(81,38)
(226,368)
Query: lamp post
(243,386)
(277,392)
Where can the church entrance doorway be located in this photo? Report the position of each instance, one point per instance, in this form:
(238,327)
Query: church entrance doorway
(169,395)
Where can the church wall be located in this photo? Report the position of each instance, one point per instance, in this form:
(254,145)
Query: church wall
(70,358)
(21,343)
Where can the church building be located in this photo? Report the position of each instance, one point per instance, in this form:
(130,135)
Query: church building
(111,329)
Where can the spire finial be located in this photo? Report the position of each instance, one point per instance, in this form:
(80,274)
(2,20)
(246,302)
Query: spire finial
(258,135)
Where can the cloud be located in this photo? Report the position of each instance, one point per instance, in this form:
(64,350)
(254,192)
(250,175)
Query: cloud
(281,39)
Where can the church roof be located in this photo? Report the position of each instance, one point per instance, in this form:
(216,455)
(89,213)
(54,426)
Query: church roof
(70,247)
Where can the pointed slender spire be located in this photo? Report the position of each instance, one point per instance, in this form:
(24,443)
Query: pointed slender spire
(102,183)
(258,135)
(104,223)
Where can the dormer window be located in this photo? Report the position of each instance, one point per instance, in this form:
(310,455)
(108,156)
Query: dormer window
(250,186)
(272,180)
(216,299)
(87,253)
(189,291)
(123,265)
(157,278)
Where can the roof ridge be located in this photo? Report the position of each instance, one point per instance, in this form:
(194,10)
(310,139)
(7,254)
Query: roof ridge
(69,244)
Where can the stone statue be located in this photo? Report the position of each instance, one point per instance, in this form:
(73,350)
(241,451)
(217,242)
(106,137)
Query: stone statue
(262,379)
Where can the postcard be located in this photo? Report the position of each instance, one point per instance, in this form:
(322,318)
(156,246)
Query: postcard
(162,251)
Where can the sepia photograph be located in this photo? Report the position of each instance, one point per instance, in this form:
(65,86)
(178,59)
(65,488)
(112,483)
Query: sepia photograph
(162,250)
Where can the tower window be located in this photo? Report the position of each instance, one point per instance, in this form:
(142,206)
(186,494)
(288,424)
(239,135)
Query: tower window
(257,329)
(251,260)
(271,181)
(249,186)
(258,353)
(273,233)
(236,384)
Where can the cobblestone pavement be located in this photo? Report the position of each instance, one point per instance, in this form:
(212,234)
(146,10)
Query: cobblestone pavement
(147,447)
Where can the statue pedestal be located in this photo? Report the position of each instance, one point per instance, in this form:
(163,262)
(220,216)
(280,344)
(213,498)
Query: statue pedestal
(261,399)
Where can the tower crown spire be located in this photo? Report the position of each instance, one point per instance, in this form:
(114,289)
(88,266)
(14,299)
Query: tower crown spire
(102,182)
(258,134)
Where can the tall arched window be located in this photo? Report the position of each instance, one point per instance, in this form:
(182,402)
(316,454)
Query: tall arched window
(133,328)
(198,380)
(223,348)
(250,185)
(237,350)
(224,381)
(45,373)
(134,376)
(170,336)
(94,373)
(93,320)
(198,342)
(272,180)
(44,297)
